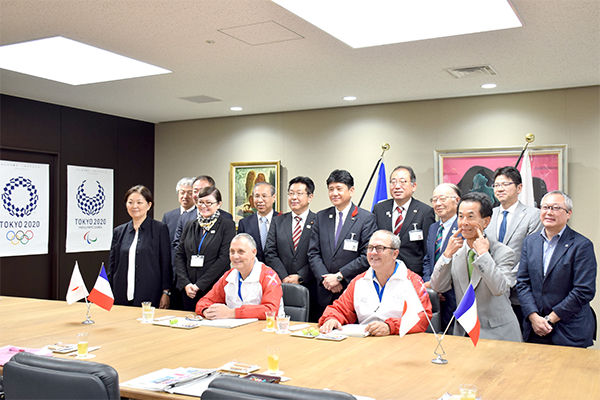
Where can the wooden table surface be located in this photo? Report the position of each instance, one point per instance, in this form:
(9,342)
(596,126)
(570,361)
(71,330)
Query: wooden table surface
(383,368)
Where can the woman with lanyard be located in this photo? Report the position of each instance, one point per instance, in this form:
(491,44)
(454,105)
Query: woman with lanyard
(139,266)
(203,252)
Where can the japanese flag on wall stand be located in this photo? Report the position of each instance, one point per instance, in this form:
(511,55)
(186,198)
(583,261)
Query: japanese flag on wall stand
(466,314)
(77,289)
(102,294)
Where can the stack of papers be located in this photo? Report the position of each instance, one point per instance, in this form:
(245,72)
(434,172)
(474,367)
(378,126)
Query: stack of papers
(355,330)
(165,380)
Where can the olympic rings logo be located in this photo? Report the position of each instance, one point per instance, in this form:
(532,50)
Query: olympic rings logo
(19,237)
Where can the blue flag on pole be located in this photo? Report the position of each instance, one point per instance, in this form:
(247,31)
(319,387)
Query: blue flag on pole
(381,192)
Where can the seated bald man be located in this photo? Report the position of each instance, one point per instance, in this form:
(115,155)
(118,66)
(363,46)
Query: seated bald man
(247,290)
(376,297)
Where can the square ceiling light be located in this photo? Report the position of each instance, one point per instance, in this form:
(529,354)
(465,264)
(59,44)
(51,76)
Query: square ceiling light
(361,23)
(68,61)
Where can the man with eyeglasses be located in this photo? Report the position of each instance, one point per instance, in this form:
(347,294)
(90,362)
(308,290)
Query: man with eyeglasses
(406,217)
(376,297)
(512,221)
(484,263)
(289,235)
(198,184)
(257,225)
(445,202)
(557,279)
(171,219)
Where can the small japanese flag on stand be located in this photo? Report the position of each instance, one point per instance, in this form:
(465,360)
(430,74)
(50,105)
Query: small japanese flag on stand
(77,289)
(102,294)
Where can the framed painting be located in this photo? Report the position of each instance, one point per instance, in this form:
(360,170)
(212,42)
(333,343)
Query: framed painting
(473,169)
(242,178)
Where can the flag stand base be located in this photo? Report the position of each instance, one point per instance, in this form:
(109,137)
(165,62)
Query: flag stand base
(88,319)
(439,360)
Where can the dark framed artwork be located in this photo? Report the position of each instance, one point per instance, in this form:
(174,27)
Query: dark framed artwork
(242,178)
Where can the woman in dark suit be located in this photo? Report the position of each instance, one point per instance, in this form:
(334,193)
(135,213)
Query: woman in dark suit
(202,256)
(139,266)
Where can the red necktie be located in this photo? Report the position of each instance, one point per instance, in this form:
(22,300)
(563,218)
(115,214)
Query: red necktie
(398,225)
(297,232)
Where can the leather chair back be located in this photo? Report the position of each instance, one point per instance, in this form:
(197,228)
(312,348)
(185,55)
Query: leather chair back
(29,376)
(296,301)
(229,388)
(436,318)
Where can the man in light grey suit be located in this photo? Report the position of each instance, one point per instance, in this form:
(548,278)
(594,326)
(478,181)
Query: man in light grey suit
(512,221)
(487,264)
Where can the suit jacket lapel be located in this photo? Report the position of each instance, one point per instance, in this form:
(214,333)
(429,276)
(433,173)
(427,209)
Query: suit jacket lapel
(462,269)
(306,230)
(348,223)
(492,229)
(410,215)
(453,229)
(287,225)
(562,246)
(516,220)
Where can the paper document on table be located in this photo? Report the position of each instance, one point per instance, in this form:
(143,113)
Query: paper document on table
(226,323)
(165,379)
(355,330)
(194,388)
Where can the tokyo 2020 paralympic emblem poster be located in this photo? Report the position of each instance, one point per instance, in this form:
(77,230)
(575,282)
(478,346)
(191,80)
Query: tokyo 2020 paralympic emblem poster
(24,188)
(89,209)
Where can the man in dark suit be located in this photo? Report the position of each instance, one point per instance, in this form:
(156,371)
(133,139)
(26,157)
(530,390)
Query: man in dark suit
(199,183)
(171,219)
(512,221)
(337,250)
(407,217)
(287,243)
(257,225)
(557,279)
(445,202)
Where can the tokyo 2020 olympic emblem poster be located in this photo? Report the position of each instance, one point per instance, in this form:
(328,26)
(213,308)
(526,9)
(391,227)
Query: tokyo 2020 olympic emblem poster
(24,188)
(89,209)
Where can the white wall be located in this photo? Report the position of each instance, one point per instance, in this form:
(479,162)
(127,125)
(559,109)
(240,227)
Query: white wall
(315,142)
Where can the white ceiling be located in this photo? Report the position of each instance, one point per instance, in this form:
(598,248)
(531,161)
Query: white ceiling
(265,59)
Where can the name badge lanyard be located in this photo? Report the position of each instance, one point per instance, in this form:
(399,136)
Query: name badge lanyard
(380,289)
(201,240)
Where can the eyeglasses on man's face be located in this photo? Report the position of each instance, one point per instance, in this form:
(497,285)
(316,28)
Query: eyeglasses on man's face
(207,204)
(441,199)
(546,207)
(502,185)
(378,249)
(296,194)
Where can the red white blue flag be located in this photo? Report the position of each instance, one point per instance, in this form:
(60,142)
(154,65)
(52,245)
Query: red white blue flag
(102,294)
(466,314)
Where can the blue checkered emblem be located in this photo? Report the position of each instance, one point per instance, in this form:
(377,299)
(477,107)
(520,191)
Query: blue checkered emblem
(90,205)
(13,209)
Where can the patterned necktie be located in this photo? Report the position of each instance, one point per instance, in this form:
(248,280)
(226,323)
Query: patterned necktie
(502,227)
(263,231)
(470,263)
(438,243)
(297,232)
(398,224)
(339,227)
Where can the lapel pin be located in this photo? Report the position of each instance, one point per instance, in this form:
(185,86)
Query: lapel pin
(307,226)
(388,214)
(212,232)
(415,211)
(330,215)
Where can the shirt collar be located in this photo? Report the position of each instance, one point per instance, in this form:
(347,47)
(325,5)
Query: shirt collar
(511,209)
(405,206)
(448,224)
(304,215)
(558,236)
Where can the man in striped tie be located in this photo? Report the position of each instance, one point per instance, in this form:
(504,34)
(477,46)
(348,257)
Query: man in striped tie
(288,239)
(444,202)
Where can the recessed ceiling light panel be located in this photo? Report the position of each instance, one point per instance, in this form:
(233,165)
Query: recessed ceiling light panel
(488,86)
(360,23)
(235,108)
(68,61)
(349,98)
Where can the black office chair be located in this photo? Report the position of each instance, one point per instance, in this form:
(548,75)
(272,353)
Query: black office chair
(29,376)
(229,388)
(296,301)
(436,318)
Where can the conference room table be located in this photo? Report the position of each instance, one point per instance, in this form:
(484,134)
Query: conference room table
(378,367)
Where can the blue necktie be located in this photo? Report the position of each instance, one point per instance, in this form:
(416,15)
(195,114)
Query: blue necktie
(263,231)
(339,228)
(502,228)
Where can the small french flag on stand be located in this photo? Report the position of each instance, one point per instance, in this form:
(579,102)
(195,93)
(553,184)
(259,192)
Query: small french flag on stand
(466,314)
(101,294)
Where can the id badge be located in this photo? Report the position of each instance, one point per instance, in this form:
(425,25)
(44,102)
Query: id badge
(415,234)
(350,245)
(197,261)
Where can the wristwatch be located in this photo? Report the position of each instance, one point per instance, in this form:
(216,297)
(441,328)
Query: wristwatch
(547,318)
(300,280)
(167,292)
(339,277)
